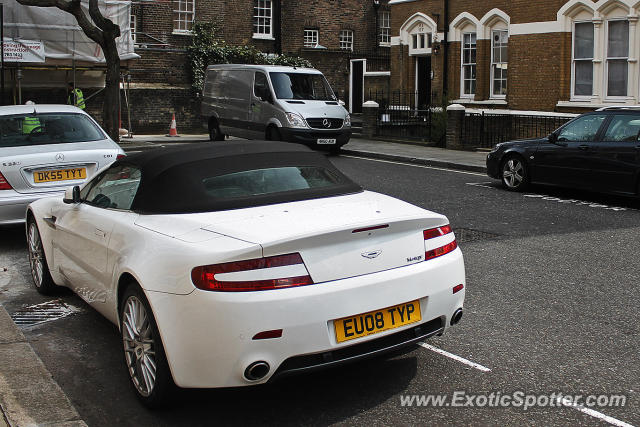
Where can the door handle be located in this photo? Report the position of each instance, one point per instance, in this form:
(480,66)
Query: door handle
(100,233)
(583,147)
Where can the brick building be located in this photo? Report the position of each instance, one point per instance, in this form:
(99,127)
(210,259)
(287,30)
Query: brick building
(547,55)
(348,40)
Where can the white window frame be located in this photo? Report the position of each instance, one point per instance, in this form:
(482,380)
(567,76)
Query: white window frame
(385,28)
(346,40)
(492,95)
(573,63)
(420,40)
(605,82)
(260,8)
(311,38)
(182,16)
(463,64)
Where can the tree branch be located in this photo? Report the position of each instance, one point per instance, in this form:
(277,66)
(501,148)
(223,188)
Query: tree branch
(74,8)
(105,24)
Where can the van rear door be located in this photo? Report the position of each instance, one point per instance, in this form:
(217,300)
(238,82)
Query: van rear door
(235,90)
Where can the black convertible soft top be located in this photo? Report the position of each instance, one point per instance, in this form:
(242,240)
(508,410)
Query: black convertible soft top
(172,178)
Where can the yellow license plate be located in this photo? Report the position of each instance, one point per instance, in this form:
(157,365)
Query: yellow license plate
(59,175)
(361,325)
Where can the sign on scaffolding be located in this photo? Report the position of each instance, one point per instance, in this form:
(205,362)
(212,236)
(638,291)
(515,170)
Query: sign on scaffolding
(23,51)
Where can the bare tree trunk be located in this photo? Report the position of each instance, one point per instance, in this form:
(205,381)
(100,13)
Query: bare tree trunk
(110,113)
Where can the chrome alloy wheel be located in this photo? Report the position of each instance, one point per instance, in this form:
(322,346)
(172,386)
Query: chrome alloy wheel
(139,347)
(36,255)
(513,173)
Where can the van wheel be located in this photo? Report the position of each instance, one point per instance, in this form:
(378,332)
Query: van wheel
(214,131)
(273,134)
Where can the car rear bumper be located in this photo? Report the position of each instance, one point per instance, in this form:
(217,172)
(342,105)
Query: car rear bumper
(208,336)
(13,205)
(310,136)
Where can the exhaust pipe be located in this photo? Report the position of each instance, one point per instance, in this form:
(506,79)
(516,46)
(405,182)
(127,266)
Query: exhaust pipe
(457,315)
(256,371)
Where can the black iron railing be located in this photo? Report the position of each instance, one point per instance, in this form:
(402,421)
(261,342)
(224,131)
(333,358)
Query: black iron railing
(484,130)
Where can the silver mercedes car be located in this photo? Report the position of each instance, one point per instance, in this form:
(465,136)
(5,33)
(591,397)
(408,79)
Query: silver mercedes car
(45,149)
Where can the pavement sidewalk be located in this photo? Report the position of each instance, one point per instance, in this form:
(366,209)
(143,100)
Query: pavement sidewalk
(28,394)
(370,148)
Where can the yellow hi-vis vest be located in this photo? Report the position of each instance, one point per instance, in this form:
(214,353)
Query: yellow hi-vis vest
(29,124)
(79,98)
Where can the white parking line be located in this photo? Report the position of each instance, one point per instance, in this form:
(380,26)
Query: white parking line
(595,414)
(455,357)
(413,165)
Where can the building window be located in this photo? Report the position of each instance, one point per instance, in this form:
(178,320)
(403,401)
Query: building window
(617,58)
(583,44)
(310,38)
(346,39)
(384,20)
(183,14)
(499,64)
(262,19)
(468,64)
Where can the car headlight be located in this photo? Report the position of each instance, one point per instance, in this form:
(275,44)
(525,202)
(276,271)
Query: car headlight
(296,121)
(347,120)
(497,147)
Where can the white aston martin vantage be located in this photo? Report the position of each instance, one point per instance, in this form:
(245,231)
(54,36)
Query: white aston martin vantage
(231,264)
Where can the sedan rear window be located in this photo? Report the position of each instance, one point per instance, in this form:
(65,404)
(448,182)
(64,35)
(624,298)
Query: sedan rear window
(268,181)
(47,128)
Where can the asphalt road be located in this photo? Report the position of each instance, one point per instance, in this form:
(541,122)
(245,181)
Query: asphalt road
(552,291)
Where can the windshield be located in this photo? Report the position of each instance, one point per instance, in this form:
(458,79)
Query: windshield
(301,86)
(47,128)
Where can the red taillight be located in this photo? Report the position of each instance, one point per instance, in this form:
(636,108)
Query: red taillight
(204,277)
(458,288)
(4,184)
(121,156)
(437,232)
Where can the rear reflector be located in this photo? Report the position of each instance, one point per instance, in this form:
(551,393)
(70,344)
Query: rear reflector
(458,288)
(266,335)
(437,232)
(260,274)
(4,184)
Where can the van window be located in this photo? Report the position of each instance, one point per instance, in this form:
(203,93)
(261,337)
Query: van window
(301,86)
(261,87)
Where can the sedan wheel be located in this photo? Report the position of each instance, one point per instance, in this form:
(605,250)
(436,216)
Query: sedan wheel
(143,351)
(38,262)
(514,174)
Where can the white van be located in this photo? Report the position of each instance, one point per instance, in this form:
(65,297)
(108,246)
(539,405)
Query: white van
(274,103)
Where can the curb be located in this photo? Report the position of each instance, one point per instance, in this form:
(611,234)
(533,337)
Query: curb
(29,396)
(416,160)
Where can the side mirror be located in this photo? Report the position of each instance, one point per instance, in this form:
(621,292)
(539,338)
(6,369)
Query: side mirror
(553,138)
(72,195)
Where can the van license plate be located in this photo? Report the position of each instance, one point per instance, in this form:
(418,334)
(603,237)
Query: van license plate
(326,141)
(59,175)
(361,325)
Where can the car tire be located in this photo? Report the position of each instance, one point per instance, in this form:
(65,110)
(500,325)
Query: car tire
(144,354)
(514,173)
(38,261)
(214,131)
(273,134)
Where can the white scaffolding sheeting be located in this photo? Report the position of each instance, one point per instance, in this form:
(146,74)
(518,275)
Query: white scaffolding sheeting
(62,36)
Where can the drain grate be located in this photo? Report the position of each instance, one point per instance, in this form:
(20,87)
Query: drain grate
(466,235)
(42,313)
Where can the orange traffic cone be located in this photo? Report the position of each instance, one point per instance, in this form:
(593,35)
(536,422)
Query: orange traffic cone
(173,131)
